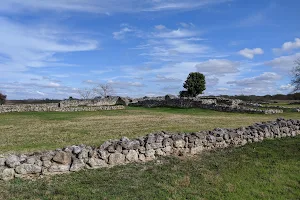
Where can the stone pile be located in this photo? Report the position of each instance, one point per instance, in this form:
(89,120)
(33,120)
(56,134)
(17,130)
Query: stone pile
(142,149)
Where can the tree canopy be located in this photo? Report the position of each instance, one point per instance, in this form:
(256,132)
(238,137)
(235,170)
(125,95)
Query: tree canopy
(194,85)
(2,98)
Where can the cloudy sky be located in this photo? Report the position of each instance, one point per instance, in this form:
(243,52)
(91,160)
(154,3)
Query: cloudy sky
(51,48)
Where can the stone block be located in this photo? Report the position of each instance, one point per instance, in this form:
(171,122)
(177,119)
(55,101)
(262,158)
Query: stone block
(28,169)
(116,159)
(62,157)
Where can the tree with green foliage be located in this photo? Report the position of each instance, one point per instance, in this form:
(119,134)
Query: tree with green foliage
(296,78)
(194,85)
(2,98)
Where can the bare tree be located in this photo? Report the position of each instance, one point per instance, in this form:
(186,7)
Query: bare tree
(296,74)
(103,90)
(85,93)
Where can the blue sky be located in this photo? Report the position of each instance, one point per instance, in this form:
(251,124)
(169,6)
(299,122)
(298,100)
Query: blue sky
(53,48)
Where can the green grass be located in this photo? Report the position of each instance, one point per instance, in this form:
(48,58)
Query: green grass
(267,170)
(287,105)
(34,131)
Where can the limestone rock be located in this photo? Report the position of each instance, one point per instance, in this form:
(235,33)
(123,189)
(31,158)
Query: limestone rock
(62,158)
(2,161)
(167,142)
(132,156)
(7,174)
(150,154)
(116,158)
(31,160)
(77,165)
(47,156)
(83,154)
(58,168)
(196,150)
(159,152)
(97,163)
(46,163)
(28,169)
(111,149)
(76,149)
(211,139)
(179,143)
(103,154)
(12,161)
(129,145)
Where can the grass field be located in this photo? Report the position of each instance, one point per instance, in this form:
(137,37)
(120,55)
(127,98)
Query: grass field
(284,105)
(28,132)
(267,170)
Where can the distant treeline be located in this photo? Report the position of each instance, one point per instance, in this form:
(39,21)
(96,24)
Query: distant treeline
(265,98)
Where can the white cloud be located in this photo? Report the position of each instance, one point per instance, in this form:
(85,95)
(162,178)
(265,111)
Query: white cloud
(160,78)
(125,84)
(222,89)
(37,90)
(179,33)
(288,46)
(195,39)
(284,63)
(25,46)
(174,49)
(41,93)
(211,81)
(103,6)
(160,27)
(218,66)
(249,53)
(287,87)
(121,34)
(186,25)
(267,78)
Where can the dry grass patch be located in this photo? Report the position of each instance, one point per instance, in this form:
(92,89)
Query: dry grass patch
(42,131)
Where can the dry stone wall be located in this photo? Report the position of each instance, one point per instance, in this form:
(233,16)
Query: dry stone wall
(228,106)
(53,108)
(142,149)
(109,103)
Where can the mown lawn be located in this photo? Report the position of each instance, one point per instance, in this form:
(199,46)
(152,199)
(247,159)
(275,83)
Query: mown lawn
(33,131)
(267,170)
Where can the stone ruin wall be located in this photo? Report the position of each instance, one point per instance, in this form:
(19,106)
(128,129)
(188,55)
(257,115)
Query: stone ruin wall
(109,101)
(53,108)
(67,106)
(142,149)
(218,104)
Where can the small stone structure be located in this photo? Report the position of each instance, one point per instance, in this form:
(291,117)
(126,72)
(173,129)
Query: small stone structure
(215,103)
(142,149)
(108,101)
